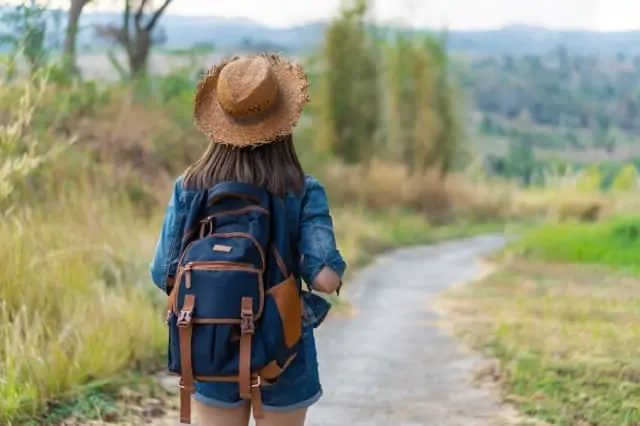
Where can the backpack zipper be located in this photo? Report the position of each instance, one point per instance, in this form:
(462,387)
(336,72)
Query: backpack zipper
(217,266)
(263,262)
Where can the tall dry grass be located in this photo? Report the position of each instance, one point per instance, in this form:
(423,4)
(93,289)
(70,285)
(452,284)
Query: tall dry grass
(75,300)
(79,229)
(452,199)
(465,198)
(76,303)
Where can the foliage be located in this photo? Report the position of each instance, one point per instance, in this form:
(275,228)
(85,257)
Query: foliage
(559,88)
(136,35)
(626,179)
(575,104)
(26,24)
(349,87)
(75,300)
(68,223)
(21,149)
(381,98)
(73,215)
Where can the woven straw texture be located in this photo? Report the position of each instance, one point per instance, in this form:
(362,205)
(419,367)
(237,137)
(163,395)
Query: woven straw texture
(250,101)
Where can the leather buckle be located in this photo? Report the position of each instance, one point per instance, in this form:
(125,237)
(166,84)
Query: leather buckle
(246,322)
(185,318)
(256,382)
(209,221)
(181,385)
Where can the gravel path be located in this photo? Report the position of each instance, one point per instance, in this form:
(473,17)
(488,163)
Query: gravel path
(387,363)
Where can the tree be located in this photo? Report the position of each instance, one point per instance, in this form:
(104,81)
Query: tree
(626,179)
(71,35)
(26,24)
(349,104)
(135,35)
(521,159)
(449,137)
(423,126)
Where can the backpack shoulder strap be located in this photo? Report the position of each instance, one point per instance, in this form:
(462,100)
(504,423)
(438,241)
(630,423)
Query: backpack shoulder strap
(243,191)
(193,216)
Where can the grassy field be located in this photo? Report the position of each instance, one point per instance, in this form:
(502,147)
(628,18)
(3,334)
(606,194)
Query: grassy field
(562,315)
(76,302)
(79,222)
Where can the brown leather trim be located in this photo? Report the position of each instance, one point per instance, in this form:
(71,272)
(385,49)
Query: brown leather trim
(218,266)
(256,400)
(170,282)
(219,379)
(241,211)
(225,379)
(214,321)
(170,300)
(279,261)
(244,363)
(185,333)
(273,370)
(248,236)
(185,406)
(221,265)
(286,295)
(187,278)
(229,235)
(188,235)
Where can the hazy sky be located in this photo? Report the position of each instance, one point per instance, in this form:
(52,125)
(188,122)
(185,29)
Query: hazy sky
(456,14)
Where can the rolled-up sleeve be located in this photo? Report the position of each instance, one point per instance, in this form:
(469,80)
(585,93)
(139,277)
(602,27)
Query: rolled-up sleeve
(166,254)
(317,243)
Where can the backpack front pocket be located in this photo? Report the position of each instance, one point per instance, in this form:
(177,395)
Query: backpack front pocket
(216,285)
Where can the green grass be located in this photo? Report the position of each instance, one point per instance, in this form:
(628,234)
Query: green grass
(563,318)
(77,309)
(130,398)
(567,339)
(77,305)
(614,243)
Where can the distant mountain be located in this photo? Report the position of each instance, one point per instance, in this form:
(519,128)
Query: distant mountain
(186,31)
(538,40)
(227,33)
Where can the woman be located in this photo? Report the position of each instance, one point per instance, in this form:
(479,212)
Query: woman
(248,107)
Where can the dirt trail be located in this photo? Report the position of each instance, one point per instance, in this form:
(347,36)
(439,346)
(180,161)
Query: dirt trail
(388,363)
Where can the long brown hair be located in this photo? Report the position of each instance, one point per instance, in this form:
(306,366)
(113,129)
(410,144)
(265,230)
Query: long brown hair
(273,166)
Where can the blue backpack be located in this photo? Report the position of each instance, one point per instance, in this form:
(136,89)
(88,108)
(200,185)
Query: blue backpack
(235,311)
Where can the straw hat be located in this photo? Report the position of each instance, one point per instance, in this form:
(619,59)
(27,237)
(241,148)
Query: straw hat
(250,101)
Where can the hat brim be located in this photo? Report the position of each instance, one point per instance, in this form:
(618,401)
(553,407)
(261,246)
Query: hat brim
(278,121)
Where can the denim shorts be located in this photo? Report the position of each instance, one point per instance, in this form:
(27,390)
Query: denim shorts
(297,388)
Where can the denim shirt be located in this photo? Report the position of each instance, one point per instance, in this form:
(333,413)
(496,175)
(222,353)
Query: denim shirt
(316,244)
